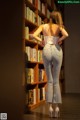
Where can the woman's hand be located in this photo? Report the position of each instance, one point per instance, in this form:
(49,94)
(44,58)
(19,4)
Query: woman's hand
(31,36)
(60,42)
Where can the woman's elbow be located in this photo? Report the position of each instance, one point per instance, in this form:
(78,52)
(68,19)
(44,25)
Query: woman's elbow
(67,35)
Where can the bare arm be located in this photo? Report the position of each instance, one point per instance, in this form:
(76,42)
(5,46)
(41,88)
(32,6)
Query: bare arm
(64,35)
(36,33)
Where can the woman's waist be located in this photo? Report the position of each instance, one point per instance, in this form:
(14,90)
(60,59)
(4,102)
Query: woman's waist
(51,45)
(50,41)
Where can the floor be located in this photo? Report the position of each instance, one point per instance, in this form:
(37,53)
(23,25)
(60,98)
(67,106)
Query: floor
(70,109)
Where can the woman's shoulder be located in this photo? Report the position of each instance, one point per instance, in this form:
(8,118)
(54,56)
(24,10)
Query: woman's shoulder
(45,26)
(48,24)
(42,25)
(56,25)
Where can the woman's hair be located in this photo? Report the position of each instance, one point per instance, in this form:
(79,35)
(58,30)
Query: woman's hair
(56,18)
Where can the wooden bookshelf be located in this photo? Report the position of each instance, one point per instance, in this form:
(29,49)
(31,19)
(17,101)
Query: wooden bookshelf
(36,12)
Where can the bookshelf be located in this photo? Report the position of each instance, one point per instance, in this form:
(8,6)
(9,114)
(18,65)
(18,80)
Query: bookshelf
(36,12)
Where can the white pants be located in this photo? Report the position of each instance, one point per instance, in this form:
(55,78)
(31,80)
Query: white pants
(52,58)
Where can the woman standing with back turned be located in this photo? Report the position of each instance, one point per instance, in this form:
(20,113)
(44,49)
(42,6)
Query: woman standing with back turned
(52,58)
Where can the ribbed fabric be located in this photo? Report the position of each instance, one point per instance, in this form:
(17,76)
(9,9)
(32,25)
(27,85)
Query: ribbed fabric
(52,57)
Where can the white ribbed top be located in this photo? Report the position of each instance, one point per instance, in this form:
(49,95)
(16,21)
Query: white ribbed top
(51,39)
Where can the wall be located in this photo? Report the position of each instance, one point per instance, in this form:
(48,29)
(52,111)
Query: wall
(72,48)
(11,59)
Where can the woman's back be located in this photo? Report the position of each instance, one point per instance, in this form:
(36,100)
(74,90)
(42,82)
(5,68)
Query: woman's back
(51,30)
(51,33)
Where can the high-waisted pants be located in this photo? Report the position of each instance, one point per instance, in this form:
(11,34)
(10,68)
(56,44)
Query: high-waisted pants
(52,58)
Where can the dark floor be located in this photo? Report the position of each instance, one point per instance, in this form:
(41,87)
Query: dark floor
(69,110)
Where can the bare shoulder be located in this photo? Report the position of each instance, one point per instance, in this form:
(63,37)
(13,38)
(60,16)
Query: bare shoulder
(41,26)
(55,26)
(45,24)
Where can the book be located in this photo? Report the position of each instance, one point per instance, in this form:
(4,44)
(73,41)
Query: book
(26,32)
(31,53)
(30,15)
(40,56)
(31,96)
(29,75)
(41,94)
(41,75)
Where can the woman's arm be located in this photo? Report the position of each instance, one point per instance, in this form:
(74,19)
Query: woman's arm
(64,35)
(36,33)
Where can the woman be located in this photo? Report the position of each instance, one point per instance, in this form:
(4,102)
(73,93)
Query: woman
(52,58)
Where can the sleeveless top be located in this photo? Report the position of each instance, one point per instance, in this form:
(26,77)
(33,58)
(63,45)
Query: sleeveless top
(49,39)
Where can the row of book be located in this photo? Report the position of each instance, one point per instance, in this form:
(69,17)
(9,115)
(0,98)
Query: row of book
(41,93)
(41,75)
(34,2)
(30,75)
(27,34)
(33,54)
(30,15)
(31,95)
(41,7)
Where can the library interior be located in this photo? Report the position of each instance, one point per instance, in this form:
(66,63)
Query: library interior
(23,80)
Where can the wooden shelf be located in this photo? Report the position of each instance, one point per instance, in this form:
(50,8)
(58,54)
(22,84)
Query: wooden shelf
(32,6)
(34,83)
(38,85)
(32,62)
(36,105)
(30,24)
(42,82)
(40,63)
(43,16)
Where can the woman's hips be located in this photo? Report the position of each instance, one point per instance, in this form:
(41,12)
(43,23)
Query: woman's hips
(51,51)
